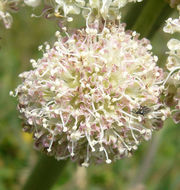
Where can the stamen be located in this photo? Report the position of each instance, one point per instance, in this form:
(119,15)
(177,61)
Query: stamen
(176,69)
(51,143)
(62,120)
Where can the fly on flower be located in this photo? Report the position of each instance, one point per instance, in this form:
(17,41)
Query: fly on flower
(143,110)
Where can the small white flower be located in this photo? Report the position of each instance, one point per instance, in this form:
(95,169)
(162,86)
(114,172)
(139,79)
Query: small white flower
(6,18)
(32,3)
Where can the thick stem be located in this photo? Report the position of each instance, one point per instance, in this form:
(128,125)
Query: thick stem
(44,174)
(136,9)
(152,17)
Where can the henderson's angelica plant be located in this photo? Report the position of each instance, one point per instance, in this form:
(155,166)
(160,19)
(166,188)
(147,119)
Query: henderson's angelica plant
(87,97)
(97,93)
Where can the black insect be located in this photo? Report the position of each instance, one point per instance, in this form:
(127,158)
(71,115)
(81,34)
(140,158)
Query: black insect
(143,110)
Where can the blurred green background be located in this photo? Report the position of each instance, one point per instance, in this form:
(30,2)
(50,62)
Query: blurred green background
(154,166)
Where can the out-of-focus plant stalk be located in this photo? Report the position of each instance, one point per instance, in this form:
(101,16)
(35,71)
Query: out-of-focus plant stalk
(152,17)
(45,173)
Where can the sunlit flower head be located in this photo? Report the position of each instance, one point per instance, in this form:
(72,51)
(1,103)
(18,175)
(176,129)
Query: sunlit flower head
(93,96)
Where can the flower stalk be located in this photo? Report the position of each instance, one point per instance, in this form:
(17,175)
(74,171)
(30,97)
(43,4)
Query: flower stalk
(45,173)
(152,17)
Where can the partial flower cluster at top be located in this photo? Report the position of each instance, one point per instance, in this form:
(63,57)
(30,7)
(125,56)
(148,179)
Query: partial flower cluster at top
(93,96)
(92,9)
(173,66)
(9,6)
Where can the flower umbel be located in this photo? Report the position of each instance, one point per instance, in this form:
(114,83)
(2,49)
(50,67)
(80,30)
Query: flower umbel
(91,9)
(93,96)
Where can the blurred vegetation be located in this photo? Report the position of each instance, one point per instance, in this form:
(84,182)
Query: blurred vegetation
(154,166)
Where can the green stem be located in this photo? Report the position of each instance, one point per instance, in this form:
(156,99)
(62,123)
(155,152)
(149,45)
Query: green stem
(152,17)
(149,157)
(132,12)
(148,160)
(45,174)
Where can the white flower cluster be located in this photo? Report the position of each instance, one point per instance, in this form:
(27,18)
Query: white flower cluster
(173,25)
(173,65)
(93,96)
(8,6)
(5,16)
(91,9)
